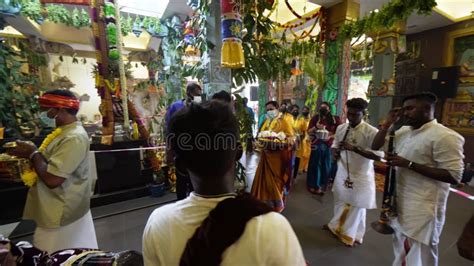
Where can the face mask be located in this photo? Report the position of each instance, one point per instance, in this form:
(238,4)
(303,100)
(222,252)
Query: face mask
(197,99)
(295,113)
(305,113)
(272,114)
(323,111)
(50,122)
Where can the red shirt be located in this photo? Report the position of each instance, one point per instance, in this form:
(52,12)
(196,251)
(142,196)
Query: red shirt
(331,127)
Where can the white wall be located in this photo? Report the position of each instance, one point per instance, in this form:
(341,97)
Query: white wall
(81,75)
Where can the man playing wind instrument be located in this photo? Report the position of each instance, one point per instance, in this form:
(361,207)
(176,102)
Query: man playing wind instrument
(60,180)
(354,185)
(429,157)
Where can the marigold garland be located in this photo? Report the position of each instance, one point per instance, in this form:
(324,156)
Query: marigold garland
(30,177)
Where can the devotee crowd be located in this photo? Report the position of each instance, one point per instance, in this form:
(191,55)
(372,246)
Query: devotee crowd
(212,224)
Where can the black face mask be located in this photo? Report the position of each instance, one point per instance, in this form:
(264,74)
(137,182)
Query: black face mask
(295,113)
(305,113)
(323,111)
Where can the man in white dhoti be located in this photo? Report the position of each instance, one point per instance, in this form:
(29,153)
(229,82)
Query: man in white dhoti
(429,158)
(61,184)
(354,185)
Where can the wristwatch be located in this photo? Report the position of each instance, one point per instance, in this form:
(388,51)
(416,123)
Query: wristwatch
(410,165)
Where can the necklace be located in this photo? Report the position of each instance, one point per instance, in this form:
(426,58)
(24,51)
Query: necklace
(30,177)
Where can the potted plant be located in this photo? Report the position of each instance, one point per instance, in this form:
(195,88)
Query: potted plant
(157,187)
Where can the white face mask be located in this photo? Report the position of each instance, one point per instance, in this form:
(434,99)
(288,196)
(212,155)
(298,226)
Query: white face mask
(272,114)
(50,122)
(197,99)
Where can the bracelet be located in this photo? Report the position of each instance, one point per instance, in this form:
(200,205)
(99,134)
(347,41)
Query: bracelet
(32,155)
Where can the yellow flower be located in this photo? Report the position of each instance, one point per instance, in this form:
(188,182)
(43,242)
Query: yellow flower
(30,177)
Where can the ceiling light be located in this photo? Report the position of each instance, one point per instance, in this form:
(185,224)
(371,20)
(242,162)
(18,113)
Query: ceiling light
(144,7)
(455,10)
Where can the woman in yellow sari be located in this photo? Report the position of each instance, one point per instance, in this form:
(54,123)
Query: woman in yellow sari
(273,174)
(304,145)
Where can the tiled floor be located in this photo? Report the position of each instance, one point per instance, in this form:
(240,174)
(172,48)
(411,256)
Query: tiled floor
(307,214)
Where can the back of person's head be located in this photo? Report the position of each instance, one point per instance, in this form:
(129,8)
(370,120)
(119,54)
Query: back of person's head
(205,138)
(245,100)
(222,96)
(192,87)
(67,94)
(357,103)
(426,97)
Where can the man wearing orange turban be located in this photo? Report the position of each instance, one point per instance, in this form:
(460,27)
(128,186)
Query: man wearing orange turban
(60,178)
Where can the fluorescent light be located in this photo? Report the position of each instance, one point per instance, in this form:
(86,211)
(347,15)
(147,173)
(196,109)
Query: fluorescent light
(455,10)
(148,8)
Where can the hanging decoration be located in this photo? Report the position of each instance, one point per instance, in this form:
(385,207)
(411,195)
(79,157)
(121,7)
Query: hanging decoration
(305,33)
(137,27)
(331,70)
(232,53)
(111,29)
(191,53)
(101,74)
(295,67)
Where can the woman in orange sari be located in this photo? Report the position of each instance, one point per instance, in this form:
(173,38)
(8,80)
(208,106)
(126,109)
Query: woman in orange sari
(273,175)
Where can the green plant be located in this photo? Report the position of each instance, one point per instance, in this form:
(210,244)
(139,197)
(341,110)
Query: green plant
(18,106)
(78,18)
(265,58)
(389,14)
(31,9)
(244,119)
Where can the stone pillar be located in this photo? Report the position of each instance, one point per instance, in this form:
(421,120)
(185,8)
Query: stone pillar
(381,100)
(339,57)
(217,78)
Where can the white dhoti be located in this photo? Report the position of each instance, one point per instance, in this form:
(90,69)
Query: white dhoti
(348,223)
(79,234)
(409,252)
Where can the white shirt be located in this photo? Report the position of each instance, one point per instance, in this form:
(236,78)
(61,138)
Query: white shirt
(267,239)
(421,201)
(361,169)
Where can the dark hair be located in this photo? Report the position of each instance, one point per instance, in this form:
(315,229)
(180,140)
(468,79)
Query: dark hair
(427,97)
(325,103)
(223,96)
(274,103)
(307,107)
(293,106)
(245,100)
(191,87)
(205,138)
(330,120)
(357,103)
(65,93)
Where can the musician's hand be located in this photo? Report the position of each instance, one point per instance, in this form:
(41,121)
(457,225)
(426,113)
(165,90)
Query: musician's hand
(391,118)
(23,149)
(311,130)
(347,146)
(395,160)
(336,154)
(320,126)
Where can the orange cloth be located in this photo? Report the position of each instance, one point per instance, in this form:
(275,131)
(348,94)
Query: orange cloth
(272,175)
(58,101)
